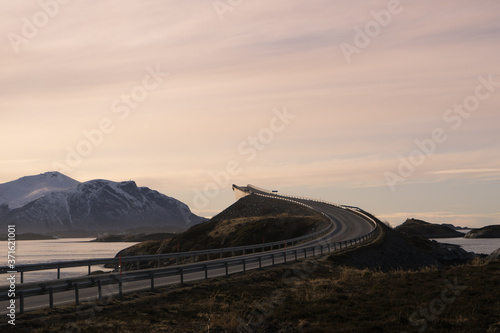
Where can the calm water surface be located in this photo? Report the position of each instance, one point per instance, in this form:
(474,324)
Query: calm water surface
(476,245)
(65,249)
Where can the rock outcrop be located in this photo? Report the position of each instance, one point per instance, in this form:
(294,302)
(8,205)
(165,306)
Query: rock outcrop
(413,227)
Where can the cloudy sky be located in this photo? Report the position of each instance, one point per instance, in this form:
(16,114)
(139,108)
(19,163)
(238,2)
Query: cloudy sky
(390,107)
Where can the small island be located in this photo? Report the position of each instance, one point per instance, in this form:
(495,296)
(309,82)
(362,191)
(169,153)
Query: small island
(29,236)
(134,238)
(491,231)
(414,227)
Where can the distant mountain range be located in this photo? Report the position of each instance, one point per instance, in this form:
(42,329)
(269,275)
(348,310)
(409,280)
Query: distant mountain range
(53,202)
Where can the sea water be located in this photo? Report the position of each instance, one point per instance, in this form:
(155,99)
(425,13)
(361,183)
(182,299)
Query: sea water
(53,250)
(476,245)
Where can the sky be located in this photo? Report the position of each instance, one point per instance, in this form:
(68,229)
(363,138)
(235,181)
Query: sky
(392,106)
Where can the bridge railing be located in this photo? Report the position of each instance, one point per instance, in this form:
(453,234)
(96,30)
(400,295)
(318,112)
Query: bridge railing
(114,278)
(241,264)
(358,210)
(221,252)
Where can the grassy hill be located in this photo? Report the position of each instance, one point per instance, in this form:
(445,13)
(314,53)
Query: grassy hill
(394,283)
(311,296)
(251,220)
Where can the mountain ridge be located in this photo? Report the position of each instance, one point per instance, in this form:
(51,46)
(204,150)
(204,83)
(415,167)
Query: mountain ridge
(96,205)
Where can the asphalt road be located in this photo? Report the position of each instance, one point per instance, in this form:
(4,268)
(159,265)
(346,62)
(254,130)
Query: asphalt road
(348,225)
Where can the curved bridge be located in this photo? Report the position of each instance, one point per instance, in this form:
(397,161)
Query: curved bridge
(349,226)
(349,222)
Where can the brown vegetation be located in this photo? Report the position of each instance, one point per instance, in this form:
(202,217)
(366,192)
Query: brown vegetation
(251,220)
(309,296)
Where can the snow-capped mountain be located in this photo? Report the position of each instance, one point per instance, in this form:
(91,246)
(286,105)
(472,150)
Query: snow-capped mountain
(19,192)
(54,202)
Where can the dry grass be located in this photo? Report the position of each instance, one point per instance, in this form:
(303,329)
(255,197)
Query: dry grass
(310,296)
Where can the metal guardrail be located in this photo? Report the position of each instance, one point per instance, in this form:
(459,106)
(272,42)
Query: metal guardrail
(49,288)
(358,210)
(98,281)
(116,261)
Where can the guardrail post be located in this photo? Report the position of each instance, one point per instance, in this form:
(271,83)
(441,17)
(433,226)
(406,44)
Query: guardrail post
(22,277)
(295,252)
(221,254)
(244,251)
(58,273)
(329,251)
(51,297)
(314,251)
(305,253)
(206,272)
(120,287)
(77,294)
(260,262)
(244,266)
(21,302)
(227,268)
(181,273)
(90,271)
(284,257)
(99,289)
(152,274)
(272,258)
